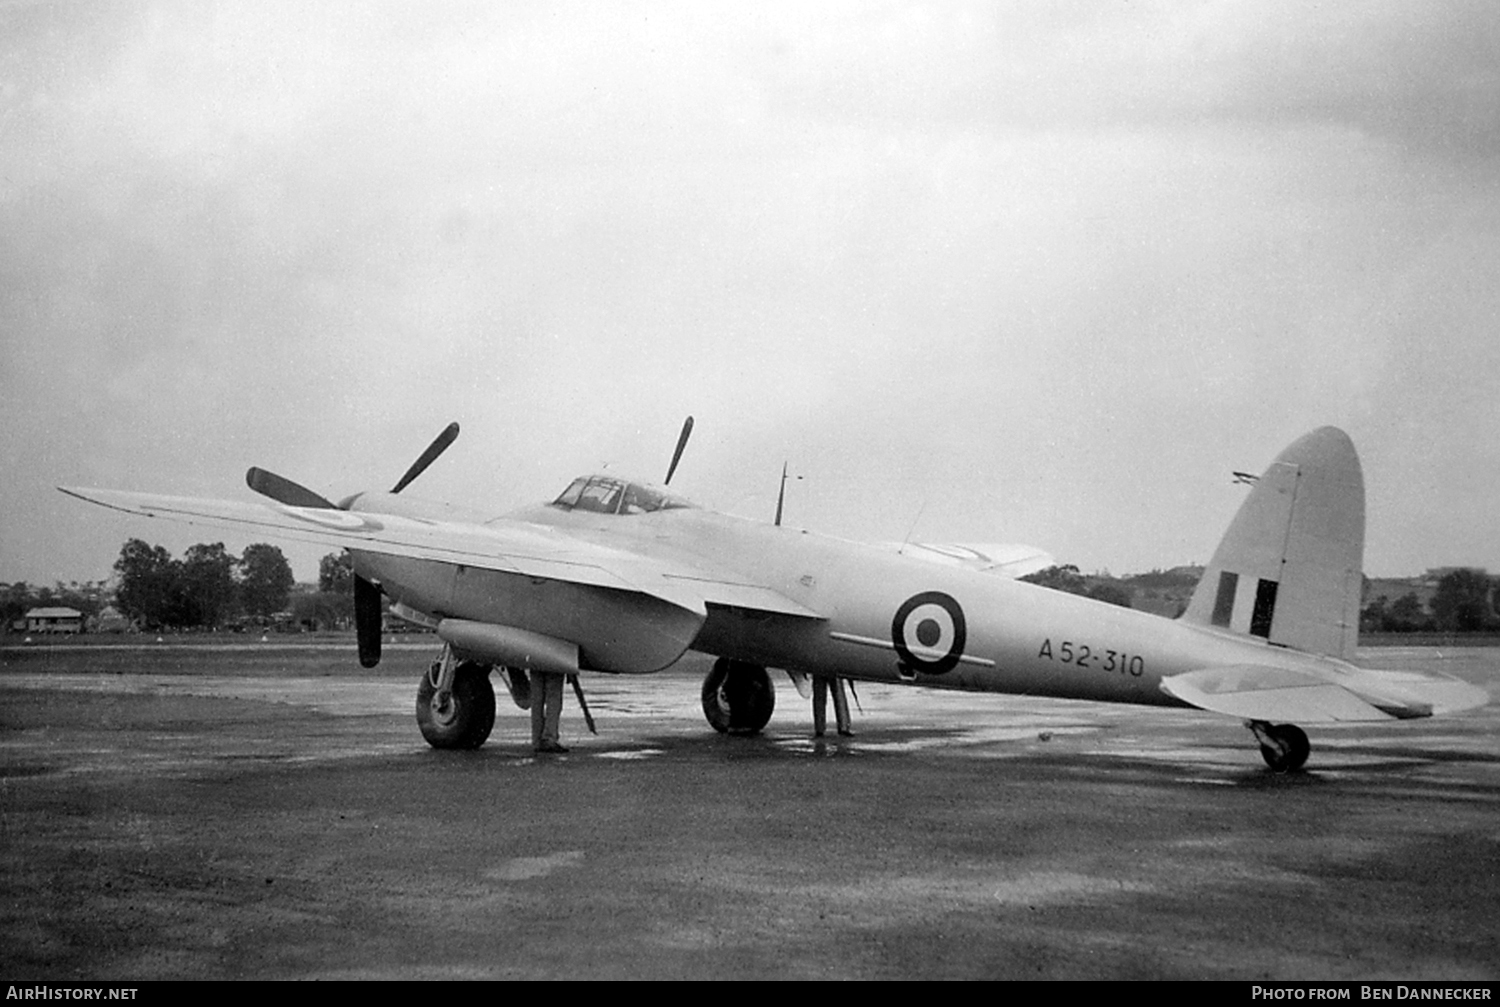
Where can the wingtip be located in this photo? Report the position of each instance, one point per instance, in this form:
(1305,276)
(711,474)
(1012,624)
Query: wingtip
(100,498)
(1461,696)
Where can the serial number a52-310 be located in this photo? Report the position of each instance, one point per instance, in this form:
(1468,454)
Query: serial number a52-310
(1084,656)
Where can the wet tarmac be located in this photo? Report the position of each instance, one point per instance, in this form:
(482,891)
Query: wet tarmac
(272,813)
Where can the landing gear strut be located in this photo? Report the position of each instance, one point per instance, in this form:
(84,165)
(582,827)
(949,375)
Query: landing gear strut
(456,703)
(1284,746)
(738,697)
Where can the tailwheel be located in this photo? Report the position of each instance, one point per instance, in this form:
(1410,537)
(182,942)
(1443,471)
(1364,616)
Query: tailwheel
(1284,746)
(456,704)
(738,697)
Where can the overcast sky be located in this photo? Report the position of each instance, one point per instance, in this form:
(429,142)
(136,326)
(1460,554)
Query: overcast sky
(1040,273)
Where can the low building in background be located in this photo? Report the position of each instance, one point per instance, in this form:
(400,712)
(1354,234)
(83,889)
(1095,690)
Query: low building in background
(54,620)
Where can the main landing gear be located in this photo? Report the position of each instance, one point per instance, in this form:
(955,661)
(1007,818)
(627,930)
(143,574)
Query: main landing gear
(456,703)
(1284,746)
(738,697)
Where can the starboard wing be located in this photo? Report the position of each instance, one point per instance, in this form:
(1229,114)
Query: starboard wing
(506,546)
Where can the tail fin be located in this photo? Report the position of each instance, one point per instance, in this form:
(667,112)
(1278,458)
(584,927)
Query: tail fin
(1290,567)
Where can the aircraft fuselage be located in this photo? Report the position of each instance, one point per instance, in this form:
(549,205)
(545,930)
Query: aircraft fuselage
(888,617)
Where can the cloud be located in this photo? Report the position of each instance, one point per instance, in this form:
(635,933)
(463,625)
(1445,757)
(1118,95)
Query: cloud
(1057,259)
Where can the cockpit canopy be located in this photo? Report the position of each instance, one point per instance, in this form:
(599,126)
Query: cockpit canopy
(608,495)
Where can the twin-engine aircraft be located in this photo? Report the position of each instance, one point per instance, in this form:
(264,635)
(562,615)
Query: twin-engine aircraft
(624,577)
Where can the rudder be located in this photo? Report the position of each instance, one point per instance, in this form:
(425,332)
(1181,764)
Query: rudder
(1290,567)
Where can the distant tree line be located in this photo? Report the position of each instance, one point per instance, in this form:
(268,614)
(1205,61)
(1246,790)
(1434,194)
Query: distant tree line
(209,587)
(1067,578)
(1466,601)
(332,605)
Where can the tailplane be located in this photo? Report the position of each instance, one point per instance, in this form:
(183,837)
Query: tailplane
(1289,569)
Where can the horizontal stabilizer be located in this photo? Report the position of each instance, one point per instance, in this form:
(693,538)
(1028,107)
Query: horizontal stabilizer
(1004,559)
(1259,692)
(1277,695)
(1414,694)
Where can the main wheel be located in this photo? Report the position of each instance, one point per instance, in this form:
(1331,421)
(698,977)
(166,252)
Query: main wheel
(1290,748)
(738,698)
(463,718)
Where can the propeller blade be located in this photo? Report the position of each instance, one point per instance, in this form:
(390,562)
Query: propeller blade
(437,447)
(283,490)
(682,439)
(367,621)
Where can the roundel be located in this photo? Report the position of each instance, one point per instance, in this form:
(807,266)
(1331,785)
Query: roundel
(929,632)
(337,519)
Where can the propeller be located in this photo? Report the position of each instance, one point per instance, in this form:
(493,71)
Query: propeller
(682,439)
(283,490)
(367,616)
(367,621)
(437,447)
